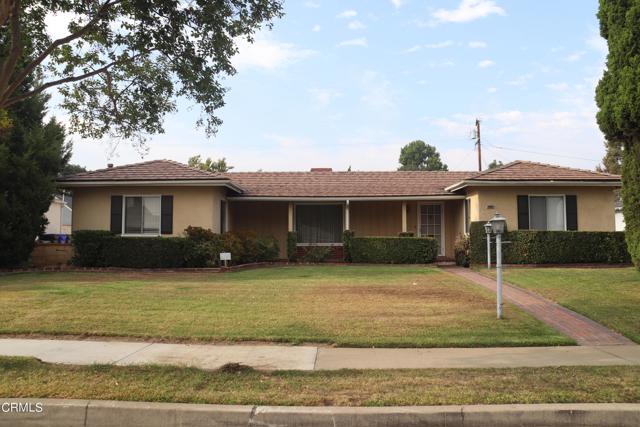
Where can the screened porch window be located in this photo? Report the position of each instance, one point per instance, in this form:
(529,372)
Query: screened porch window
(547,212)
(319,223)
(142,215)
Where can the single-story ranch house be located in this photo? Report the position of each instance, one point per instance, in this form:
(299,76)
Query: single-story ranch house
(163,197)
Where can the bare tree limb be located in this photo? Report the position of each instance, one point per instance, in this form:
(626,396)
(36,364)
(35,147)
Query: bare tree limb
(55,44)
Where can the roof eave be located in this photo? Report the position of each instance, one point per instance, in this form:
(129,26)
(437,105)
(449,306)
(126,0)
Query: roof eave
(152,183)
(343,198)
(515,183)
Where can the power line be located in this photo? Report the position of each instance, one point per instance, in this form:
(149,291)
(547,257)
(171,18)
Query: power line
(538,152)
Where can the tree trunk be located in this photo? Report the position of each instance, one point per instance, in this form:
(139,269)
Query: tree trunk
(631,198)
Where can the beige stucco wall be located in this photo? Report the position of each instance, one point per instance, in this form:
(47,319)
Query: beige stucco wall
(262,218)
(54,216)
(385,219)
(196,206)
(596,205)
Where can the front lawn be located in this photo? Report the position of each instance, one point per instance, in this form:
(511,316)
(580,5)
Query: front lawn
(610,296)
(384,306)
(25,377)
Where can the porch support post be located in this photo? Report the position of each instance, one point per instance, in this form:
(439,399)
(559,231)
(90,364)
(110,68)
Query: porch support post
(347,221)
(290,222)
(404,217)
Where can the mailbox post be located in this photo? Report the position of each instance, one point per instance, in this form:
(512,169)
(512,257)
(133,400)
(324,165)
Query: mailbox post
(498,224)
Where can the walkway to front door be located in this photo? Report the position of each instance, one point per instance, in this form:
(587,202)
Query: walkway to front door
(582,329)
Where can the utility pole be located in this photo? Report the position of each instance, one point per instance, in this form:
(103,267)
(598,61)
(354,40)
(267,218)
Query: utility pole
(478,145)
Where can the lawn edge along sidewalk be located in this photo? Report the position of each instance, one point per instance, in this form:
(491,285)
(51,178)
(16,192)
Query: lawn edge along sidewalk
(574,325)
(96,413)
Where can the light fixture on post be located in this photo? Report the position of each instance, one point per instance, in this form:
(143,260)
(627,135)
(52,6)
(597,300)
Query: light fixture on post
(498,225)
(487,229)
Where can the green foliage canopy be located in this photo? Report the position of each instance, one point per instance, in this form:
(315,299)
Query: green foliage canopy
(618,98)
(209,165)
(419,156)
(124,63)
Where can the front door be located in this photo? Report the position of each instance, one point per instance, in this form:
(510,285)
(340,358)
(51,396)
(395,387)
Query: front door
(431,223)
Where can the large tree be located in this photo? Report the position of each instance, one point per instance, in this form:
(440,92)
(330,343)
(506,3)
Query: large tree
(32,154)
(210,165)
(124,63)
(612,160)
(419,156)
(618,97)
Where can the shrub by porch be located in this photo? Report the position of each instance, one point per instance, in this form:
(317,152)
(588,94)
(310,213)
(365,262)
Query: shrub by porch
(393,250)
(552,247)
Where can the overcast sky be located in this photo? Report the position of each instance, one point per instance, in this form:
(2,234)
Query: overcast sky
(347,83)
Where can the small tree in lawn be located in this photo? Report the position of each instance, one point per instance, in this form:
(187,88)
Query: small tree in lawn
(419,156)
(618,98)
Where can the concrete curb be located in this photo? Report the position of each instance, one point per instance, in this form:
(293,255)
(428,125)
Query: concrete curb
(87,413)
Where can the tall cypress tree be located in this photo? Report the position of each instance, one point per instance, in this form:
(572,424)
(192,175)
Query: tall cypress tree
(32,154)
(618,97)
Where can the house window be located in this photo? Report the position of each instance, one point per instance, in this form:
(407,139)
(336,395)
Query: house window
(547,213)
(319,224)
(467,215)
(142,215)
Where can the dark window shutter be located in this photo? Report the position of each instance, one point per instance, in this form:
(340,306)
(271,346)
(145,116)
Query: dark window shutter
(166,213)
(116,214)
(523,212)
(572,212)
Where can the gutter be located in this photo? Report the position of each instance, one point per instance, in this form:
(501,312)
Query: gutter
(342,199)
(154,183)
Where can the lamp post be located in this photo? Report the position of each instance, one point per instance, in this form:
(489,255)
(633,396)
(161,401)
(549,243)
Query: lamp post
(498,223)
(487,229)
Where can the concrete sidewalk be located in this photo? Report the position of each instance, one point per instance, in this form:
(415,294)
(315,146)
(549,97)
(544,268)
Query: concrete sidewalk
(309,358)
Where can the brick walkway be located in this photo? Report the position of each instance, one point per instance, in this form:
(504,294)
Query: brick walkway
(585,331)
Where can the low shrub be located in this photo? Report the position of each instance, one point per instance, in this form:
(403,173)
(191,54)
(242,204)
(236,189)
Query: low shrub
(200,248)
(292,246)
(147,252)
(317,254)
(394,250)
(461,250)
(552,247)
(347,243)
(88,247)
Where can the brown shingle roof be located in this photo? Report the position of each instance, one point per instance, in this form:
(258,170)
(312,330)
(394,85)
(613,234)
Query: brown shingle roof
(346,184)
(153,170)
(521,170)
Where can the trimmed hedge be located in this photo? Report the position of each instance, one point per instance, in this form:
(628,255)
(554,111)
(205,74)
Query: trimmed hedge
(201,248)
(394,250)
(347,243)
(97,248)
(552,247)
(292,246)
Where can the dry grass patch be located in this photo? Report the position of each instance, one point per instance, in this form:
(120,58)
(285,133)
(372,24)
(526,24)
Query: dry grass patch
(386,306)
(23,377)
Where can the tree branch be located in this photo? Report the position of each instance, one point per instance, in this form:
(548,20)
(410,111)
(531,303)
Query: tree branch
(9,63)
(64,80)
(57,43)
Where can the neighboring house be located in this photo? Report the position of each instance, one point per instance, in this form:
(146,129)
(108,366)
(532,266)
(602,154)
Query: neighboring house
(163,197)
(59,215)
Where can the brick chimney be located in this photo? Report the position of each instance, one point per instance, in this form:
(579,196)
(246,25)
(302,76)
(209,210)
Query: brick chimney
(321,170)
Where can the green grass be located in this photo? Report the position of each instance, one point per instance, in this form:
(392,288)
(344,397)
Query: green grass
(24,377)
(610,296)
(383,306)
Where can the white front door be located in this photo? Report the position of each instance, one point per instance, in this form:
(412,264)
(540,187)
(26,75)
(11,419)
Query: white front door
(431,222)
